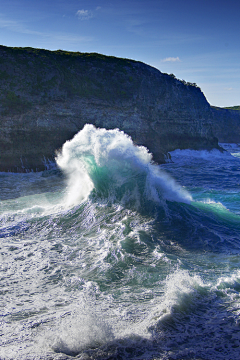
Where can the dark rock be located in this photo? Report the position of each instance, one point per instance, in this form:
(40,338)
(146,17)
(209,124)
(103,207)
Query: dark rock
(226,125)
(48,96)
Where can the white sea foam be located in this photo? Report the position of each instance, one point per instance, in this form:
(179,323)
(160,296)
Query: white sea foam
(229,146)
(103,280)
(225,283)
(214,204)
(180,289)
(81,330)
(199,154)
(159,182)
(93,150)
(233,149)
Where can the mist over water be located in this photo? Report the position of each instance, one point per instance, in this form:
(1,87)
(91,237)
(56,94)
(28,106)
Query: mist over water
(111,256)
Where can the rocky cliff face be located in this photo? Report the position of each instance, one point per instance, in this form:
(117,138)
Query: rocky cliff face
(46,97)
(226,125)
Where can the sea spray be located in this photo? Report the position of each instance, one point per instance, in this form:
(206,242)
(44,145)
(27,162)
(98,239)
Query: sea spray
(109,162)
(109,279)
(83,329)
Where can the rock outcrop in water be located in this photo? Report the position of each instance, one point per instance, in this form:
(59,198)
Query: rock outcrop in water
(47,96)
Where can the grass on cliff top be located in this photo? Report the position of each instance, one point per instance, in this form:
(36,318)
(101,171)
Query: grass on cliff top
(233,107)
(67,54)
(228,108)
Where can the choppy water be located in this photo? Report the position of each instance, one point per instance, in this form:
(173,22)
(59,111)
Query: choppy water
(113,257)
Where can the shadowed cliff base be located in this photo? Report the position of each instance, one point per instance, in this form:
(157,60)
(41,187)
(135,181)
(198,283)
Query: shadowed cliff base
(48,96)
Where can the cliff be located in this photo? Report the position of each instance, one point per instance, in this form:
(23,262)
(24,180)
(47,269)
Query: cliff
(47,96)
(226,124)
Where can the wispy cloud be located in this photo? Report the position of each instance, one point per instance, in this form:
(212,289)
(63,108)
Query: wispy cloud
(171,59)
(71,38)
(18,27)
(84,14)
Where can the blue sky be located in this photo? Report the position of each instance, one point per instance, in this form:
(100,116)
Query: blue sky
(197,40)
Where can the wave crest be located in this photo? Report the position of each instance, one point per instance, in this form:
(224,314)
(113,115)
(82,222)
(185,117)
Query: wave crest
(108,162)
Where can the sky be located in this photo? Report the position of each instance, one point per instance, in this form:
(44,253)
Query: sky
(196,40)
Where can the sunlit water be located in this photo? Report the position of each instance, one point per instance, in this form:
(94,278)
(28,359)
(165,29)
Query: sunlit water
(109,256)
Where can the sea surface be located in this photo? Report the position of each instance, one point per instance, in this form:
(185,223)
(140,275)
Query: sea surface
(110,256)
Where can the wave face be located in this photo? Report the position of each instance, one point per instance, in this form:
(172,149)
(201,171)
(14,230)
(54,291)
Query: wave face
(110,256)
(108,162)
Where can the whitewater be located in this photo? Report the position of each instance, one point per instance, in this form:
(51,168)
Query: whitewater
(108,255)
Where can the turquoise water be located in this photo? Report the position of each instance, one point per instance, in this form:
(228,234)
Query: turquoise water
(109,256)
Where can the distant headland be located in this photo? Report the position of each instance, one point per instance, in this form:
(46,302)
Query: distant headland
(48,96)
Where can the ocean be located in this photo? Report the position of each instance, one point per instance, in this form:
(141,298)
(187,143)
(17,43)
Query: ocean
(106,255)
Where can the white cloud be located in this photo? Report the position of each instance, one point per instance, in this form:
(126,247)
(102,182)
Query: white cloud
(84,14)
(171,59)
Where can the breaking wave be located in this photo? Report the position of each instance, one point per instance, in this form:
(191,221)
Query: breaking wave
(108,164)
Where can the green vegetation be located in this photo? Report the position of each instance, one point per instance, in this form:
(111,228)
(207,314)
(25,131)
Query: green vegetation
(187,83)
(39,75)
(233,107)
(53,74)
(68,55)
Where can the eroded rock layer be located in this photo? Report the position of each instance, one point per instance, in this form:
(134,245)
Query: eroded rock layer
(47,96)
